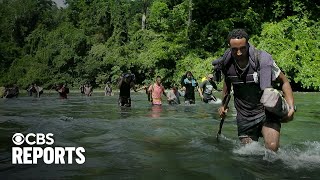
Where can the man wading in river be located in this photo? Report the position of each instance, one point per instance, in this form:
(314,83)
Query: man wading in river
(251,73)
(125,83)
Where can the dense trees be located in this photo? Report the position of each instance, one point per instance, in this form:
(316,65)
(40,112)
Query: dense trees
(97,40)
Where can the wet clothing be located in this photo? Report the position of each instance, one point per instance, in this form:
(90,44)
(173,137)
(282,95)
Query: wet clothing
(30,89)
(11,92)
(190,86)
(125,89)
(173,97)
(88,90)
(82,89)
(207,87)
(39,90)
(156,92)
(108,90)
(124,101)
(253,129)
(36,90)
(247,94)
(124,96)
(210,99)
(63,92)
(148,93)
(248,84)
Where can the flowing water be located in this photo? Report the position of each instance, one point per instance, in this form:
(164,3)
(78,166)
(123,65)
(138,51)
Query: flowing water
(145,142)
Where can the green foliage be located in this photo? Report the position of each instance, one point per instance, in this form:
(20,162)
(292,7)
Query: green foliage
(159,13)
(96,41)
(294,44)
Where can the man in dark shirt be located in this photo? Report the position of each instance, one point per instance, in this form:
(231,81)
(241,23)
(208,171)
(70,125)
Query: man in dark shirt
(248,85)
(63,91)
(125,84)
(82,89)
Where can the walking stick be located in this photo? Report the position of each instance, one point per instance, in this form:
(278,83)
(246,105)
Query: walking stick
(225,102)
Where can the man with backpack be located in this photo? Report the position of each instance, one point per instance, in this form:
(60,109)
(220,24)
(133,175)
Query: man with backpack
(125,83)
(63,90)
(251,73)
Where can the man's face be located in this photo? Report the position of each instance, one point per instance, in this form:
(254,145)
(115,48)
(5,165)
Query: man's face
(210,79)
(189,76)
(239,48)
(158,80)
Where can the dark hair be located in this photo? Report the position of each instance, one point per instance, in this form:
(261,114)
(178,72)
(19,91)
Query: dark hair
(189,72)
(238,34)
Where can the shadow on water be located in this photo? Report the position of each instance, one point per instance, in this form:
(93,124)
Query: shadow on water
(155,142)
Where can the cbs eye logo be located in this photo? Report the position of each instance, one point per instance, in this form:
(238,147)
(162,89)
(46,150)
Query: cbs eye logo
(33,139)
(18,139)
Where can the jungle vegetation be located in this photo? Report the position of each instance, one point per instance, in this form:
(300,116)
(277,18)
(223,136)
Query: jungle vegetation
(97,40)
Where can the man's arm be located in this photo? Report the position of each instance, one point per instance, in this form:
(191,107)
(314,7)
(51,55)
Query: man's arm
(133,86)
(288,95)
(120,82)
(200,89)
(200,92)
(150,88)
(6,93)
(226,88)
(225,91)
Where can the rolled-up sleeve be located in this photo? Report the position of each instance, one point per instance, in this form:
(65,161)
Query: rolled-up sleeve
(275,70)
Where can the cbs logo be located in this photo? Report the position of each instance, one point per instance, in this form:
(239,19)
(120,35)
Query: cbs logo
(33,139)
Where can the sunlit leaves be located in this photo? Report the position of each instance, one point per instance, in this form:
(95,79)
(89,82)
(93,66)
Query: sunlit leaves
(159,13)
(294,44)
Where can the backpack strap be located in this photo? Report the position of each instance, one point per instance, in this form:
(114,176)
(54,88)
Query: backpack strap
(226,61)
(257,59)
(223,63)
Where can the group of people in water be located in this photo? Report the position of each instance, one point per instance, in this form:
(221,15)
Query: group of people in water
(126,82)
(155,90)
(33,90)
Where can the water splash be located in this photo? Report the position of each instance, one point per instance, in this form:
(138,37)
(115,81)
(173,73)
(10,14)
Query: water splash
(304,155)
(254,148)
(66,118)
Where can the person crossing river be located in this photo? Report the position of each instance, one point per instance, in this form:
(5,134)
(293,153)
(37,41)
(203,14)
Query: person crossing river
(205,89)
(251,73)
(156,90)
